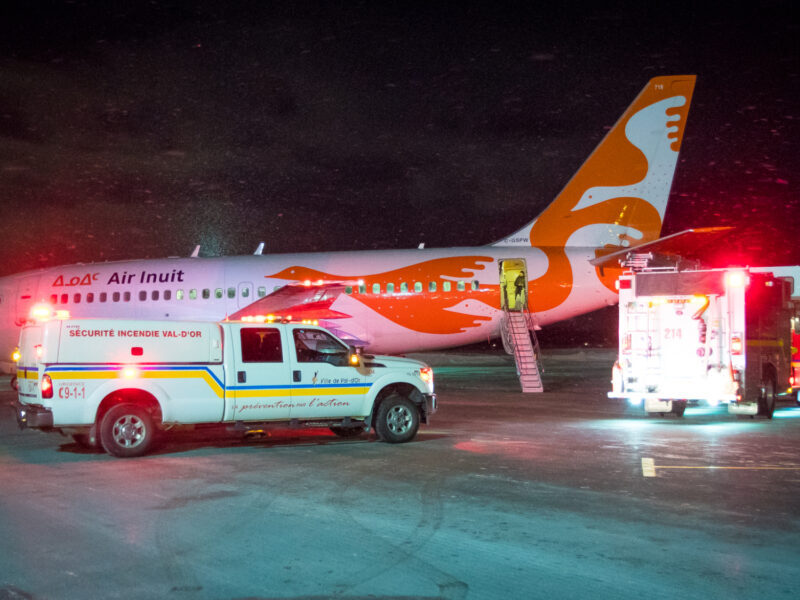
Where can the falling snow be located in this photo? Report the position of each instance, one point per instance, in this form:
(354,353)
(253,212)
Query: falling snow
(143,131)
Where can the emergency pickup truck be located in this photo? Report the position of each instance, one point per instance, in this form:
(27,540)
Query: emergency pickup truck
(716,336)
(118,383)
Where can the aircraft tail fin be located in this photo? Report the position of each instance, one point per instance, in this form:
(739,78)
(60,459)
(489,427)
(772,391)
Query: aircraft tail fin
(619,195)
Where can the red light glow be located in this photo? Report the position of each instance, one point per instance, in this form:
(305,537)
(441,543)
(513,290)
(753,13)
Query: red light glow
(47,387)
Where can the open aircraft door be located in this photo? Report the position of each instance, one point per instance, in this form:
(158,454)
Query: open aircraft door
(513,284)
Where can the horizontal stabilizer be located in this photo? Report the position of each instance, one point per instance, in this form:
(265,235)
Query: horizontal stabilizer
(690,244)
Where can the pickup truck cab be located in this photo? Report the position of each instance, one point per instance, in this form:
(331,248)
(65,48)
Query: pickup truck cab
(117,383)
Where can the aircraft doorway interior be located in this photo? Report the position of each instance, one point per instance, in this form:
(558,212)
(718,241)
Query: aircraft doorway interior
(513,284)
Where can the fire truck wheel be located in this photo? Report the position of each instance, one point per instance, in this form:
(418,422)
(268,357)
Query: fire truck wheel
(398,420)
(678,407)
(127,430)
(766,402)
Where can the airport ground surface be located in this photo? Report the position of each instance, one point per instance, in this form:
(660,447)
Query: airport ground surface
(505,495)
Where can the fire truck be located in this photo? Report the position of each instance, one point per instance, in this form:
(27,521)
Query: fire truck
(715,336)
(795,377)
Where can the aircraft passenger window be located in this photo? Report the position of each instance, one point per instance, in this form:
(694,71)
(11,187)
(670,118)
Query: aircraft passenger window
(276,288)
(262,291)
(432,286)
(446,286)
(206,294)
(417,286)
(179,295)
(390,288)
(154,295)
(142,296)
(115,296)
(90,297)
(192,294)
(218,293)
(348,289)
(103,296)
(376,288)
(245,292)
(231,292)
(261,344)
(64,298)
(475,284)
(167,295)
(76,298)
(53,299)
(461,287)
(362,288)
(126,296)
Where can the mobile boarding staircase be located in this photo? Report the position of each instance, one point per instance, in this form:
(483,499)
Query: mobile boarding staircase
(519,339)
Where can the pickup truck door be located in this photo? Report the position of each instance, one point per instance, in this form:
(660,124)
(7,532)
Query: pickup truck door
(324,383)
(260,385)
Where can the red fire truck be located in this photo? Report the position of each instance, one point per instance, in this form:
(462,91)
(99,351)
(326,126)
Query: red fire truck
(704,336)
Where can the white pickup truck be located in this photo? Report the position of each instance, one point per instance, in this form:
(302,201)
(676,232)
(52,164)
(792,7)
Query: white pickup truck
(118,383)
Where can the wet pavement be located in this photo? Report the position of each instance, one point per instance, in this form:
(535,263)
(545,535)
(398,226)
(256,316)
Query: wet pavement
(504,495)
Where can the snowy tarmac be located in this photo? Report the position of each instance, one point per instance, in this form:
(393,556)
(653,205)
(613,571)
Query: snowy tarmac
(563,494)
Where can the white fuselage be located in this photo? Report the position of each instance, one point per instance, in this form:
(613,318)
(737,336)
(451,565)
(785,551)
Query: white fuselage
(416,315)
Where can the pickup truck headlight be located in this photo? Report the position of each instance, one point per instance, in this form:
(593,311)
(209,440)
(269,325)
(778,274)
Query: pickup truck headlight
(426,374)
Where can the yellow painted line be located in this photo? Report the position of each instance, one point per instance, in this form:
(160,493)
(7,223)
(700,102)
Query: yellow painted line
(649,467)
(258,393)
(64,375)
(185,375)
(328,391)
(144,374)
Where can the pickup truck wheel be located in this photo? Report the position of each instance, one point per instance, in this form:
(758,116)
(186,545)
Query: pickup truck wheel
(127,430)
(766,402)
(398,420)
(347,432)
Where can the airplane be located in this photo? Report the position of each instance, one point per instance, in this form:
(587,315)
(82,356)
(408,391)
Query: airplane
(417,299)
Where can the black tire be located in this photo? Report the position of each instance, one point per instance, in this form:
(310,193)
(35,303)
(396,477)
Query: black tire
(766,402)
(13,383)
(127,430)
(678,407)
(397,420)
(347,432)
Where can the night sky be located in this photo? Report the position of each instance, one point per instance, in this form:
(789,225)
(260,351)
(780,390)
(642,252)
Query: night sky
(140,129)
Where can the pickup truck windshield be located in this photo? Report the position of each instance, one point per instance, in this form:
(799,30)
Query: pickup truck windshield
(314,345)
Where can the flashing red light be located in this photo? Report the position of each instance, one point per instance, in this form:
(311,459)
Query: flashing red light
(736,345)
(47,387)
(736,279)
(624,284)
